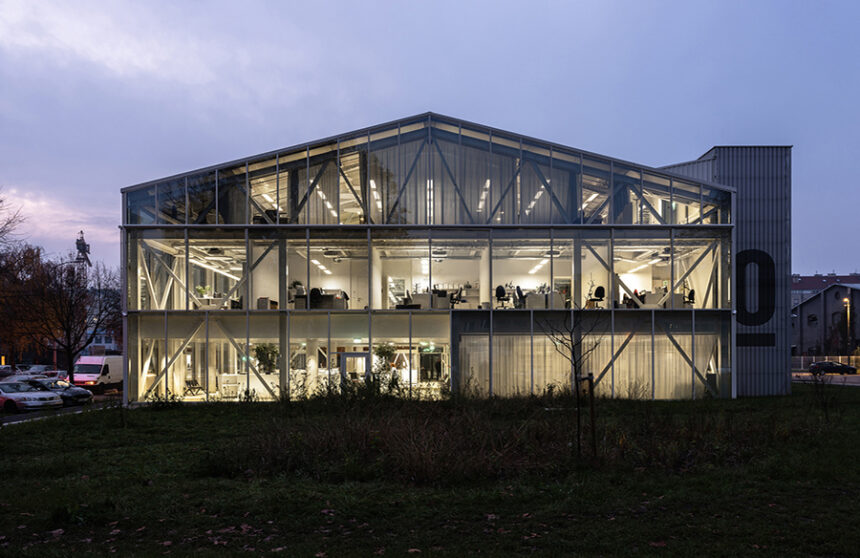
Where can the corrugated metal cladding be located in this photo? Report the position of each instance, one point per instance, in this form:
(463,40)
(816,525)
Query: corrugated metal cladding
(762,256)
(702,169)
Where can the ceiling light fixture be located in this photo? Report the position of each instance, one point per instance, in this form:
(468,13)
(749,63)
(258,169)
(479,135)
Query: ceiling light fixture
(213,268)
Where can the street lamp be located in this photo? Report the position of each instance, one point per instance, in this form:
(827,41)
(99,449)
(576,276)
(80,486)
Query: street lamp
(847,303)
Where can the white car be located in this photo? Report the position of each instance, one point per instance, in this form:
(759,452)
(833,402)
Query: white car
(45,370)
(18,396)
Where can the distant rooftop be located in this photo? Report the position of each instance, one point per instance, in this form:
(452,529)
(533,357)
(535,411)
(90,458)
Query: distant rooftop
(819,281)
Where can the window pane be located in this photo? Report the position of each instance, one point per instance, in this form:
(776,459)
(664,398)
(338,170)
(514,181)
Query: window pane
(584,256)
(319,205)
(717,206)
(141,206)
(702,269)
(656,200)
(642,261)
(401,269)
(338,270)
(632,368)
(150,358)
(265,207)
(384,183)
(535,195)
(565,186)
(686,204)
(218,268)
(156,270)
(431,337)
(171,202)
(627,193)
(228,355)
(308,363)
(521,266)
(460,269)
(672,349)
(595,191)
(471,340)
(265,351)
(394,362)
(350,355)
(512,354)
(268,256)
(201,199)
(232,195)
(713,351)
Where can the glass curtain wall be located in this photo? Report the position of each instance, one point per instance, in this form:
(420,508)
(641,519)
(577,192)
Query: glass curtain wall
(289,273)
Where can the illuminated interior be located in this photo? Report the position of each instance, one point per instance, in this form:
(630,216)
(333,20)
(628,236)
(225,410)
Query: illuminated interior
(444,246)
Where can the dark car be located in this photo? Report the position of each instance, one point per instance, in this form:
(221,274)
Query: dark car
(72,395)
(6,371)
(830,367)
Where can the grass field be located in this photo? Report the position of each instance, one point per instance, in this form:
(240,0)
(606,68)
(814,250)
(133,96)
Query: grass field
(769,477)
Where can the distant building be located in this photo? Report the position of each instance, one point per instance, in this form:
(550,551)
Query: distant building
(104,343)
(804,286)
(818,322)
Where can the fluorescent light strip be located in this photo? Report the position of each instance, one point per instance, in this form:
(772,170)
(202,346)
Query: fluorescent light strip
(212,268)
(589,200)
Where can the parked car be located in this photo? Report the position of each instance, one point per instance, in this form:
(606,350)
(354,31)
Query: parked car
(830,367)
(6,371)
(99,373)
(47,370)
(71,395)
(22,377)
(21,396)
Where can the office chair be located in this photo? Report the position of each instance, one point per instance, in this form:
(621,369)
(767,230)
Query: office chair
(502,295)
(691,297)
(521,298)
(316,297)
(598,296)
(456,297)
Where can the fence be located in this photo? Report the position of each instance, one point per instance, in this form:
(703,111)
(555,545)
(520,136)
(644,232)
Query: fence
(801,363)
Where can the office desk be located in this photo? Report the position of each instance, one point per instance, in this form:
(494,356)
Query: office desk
(535,301)
(428,300)
(543,301)
(326,301)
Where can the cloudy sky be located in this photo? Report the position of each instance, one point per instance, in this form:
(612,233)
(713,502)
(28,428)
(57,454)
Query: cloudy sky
(95,96)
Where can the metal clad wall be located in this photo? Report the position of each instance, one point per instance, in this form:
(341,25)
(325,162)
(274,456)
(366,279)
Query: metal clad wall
(762,176)
(762,252)
(703,169)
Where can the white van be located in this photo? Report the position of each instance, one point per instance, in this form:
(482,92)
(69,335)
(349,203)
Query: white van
(99,373)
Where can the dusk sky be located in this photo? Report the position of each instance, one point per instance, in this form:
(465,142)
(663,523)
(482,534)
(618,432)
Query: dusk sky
(96,96)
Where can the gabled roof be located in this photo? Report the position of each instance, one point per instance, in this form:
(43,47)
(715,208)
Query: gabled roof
(818,282)
(849,286)
(432,117)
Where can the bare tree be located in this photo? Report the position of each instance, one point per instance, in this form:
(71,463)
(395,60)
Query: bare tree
(17,263)
(10,219)
(68,304)
(568,337)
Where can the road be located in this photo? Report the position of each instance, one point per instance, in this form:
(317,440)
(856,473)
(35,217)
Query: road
(832,379)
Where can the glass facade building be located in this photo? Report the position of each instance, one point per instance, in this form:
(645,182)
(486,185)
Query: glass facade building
(456,245)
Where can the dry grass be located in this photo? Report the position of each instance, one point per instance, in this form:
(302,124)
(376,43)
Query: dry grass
(469,440)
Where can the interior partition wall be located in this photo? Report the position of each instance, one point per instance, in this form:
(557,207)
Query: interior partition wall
(438,254)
